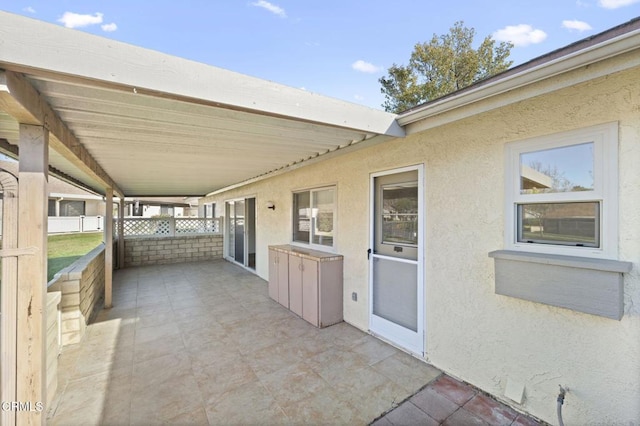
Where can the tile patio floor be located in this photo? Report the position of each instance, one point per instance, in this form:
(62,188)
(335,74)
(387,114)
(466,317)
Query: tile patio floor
(202,343)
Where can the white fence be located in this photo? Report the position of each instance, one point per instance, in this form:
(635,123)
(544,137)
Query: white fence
(135,227)
(67,224)
(168,227)
(63,224)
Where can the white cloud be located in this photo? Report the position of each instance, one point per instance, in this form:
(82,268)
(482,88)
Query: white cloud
(276,10)
(614,4)
(364,66)
(576,25)
(76,20)
(29,9)
(109,27)
(581,3)
(520,35)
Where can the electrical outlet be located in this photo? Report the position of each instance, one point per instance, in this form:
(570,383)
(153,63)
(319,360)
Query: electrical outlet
(354,296)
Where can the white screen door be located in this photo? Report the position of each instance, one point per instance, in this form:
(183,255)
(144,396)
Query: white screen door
(396,260)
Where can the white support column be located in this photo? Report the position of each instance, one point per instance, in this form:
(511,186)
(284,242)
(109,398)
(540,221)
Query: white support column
(121,242)
(108,248)
(32,272)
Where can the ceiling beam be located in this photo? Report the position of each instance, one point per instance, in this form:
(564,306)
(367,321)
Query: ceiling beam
(22,101)
(13,151)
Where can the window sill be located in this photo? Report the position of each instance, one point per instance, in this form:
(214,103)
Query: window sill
(589,285)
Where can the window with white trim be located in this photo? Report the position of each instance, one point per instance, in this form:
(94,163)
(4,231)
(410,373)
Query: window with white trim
(72,208)
(562,193)
(314,215)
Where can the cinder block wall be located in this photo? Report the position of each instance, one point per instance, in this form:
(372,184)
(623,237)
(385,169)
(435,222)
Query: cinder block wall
(157,251)
(82,287)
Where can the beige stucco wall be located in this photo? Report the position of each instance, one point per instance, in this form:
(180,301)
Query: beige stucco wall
(94,208)
(472,333)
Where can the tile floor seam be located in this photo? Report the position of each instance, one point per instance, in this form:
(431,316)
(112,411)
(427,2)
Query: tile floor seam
(410,402)
(131,390)
(272,396)
(457,409)
(200,395)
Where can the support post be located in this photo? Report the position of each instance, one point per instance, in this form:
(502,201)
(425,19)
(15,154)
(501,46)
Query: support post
(108,248)
(9,294)
(32,274)
(121,242)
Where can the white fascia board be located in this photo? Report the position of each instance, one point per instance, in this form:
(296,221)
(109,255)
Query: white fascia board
(601,51)
(31,45)
(87,197)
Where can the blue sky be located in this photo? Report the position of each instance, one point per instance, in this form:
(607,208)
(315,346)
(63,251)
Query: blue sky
(338,48)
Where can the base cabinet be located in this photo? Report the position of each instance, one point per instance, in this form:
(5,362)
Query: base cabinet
(279,277)
(314,283)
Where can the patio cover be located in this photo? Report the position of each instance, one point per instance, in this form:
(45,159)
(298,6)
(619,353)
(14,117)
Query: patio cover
(148,124)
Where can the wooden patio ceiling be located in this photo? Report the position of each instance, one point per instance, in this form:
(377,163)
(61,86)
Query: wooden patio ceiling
(158,125)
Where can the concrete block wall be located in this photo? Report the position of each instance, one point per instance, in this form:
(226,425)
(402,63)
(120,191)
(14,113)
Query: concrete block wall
(82,287)
(158,251)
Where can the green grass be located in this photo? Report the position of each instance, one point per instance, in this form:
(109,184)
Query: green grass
(66,249)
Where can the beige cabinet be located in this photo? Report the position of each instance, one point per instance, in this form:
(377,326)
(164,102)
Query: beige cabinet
(279,277)
(314,283)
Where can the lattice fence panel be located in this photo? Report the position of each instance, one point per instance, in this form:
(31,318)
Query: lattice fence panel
(167,227)
(191,226)
(147,227)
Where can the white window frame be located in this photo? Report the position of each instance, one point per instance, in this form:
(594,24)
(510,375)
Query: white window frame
(309,244)
(605,190)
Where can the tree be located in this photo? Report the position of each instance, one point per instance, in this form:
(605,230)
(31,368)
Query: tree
(445,64)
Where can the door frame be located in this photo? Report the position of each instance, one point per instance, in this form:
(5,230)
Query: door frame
(225,247)
(394,333)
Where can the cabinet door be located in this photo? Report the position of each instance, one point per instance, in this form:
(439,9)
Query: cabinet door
(273,275)
(310,291)
(283,279)
(295,284)
(330,293)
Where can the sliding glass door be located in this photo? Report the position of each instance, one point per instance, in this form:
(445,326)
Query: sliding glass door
(240,231)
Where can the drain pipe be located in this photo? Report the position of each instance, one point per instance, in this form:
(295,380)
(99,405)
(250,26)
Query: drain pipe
(560,402)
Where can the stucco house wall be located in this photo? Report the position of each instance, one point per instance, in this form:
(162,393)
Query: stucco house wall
(94,208)
(472,333)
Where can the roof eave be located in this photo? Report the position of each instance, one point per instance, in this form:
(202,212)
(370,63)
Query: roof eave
(547,69)
(126,67)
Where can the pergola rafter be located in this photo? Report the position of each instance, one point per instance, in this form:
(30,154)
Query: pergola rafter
(21,100)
